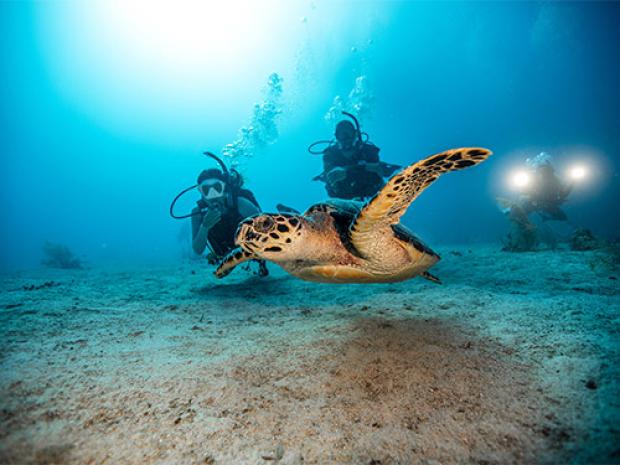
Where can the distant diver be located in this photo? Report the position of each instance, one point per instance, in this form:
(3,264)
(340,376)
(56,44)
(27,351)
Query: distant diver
(351,165)
(544,195)
(223,204)
(343,241)
(547,194)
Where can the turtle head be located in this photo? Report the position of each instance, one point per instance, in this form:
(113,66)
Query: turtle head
(271,237)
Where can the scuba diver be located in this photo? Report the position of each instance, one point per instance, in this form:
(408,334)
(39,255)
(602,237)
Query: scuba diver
(543,193)
(351,165)
(547,194)
(223,204)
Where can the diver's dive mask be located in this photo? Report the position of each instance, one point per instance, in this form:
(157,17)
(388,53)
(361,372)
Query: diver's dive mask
(211,189)
(347,143)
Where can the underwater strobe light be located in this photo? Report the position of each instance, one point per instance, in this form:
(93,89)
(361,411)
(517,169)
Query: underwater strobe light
(577,173)
(520,180)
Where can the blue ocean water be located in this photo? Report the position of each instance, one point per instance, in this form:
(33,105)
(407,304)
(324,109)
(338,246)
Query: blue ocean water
(106,110)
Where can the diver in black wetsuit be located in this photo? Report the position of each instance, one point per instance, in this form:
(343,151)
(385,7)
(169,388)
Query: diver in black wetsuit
(544,196)
(351,166)
(218,212)
(223,204)
(548,193)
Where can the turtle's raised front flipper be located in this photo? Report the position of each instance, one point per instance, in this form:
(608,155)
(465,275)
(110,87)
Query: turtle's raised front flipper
(391,202)
(231,260)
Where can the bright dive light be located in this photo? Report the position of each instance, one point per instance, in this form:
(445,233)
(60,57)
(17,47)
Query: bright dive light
(521,179)
(577,173)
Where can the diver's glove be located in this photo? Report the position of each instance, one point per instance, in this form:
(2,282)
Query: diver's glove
(371,167)
(335,175)
(211,218)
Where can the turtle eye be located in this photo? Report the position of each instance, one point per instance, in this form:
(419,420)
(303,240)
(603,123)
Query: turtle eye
(264,224)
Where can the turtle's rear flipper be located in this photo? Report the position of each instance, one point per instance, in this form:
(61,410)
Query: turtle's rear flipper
(231,260)
(430,277)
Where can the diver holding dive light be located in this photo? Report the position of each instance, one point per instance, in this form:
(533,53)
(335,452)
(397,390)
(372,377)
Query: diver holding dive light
(223,204)
(542,192)
(351,165)
(547,194)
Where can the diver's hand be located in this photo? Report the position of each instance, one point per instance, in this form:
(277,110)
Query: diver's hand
(211,218)
(335,175)
(371,167)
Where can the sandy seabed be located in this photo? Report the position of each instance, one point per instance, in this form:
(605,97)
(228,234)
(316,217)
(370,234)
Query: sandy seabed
(514,359)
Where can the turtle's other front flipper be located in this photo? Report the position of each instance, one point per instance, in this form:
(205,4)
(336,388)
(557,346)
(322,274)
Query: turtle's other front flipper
(391,202)
(231,260)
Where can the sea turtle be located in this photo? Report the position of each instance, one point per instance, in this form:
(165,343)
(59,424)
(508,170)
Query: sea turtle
(351,242)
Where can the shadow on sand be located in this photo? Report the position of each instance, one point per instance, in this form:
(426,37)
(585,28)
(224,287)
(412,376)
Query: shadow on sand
(401,391)
(284,290)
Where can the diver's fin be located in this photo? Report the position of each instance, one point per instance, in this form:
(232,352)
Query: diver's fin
(431,277)
(319,177)
(286,209)
(392,201)
(231,260)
